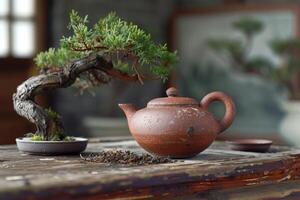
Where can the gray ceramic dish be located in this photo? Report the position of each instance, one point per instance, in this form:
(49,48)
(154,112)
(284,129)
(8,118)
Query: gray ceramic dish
(51,147)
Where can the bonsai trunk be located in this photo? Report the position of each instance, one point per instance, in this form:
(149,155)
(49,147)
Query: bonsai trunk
(24,98)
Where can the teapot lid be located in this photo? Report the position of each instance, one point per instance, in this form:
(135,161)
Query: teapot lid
(172,100)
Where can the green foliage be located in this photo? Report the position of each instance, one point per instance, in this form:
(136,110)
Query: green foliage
(54,137)
(237,50)
(248,26)
(69,139)
(128,46)
(57,136)
(56,57)
(36,137)
(289,50)
(233,47)
(285,46)
(261,65)
(52,114)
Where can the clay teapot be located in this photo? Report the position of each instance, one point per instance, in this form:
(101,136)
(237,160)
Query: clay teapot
(178,127)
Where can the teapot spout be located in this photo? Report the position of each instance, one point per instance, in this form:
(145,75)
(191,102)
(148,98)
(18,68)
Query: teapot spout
(128,109)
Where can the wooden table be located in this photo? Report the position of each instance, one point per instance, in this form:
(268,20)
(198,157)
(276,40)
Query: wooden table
(217,173)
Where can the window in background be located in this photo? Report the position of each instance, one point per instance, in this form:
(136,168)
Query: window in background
(17,28)
(22,34)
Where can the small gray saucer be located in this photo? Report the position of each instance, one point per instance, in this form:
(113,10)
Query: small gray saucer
(51,147)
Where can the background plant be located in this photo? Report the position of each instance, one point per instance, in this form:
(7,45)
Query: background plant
(288,71)
(236,53)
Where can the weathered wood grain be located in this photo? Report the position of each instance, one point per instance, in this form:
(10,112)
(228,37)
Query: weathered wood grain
(24,176)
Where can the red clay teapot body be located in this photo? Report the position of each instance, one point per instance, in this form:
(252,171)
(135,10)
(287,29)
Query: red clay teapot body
(178,127)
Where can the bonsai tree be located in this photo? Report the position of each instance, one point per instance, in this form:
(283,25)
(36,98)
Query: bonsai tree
(287,73)
(236,51)
(90,57)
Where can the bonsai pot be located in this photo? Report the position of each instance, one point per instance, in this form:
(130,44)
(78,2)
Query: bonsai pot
(51,147)
(289,126)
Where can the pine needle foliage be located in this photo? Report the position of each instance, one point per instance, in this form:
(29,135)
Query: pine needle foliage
(130,49)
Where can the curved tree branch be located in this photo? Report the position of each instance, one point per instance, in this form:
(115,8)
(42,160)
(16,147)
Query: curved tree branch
(23,99)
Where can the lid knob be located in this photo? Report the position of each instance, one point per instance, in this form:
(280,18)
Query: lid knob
(172,92)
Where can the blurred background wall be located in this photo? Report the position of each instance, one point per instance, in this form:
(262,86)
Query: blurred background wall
(97,114)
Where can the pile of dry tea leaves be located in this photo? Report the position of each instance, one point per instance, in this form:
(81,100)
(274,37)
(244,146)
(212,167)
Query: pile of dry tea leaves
(124,157)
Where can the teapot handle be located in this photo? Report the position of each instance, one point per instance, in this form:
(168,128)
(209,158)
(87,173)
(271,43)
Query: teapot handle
(229,107)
